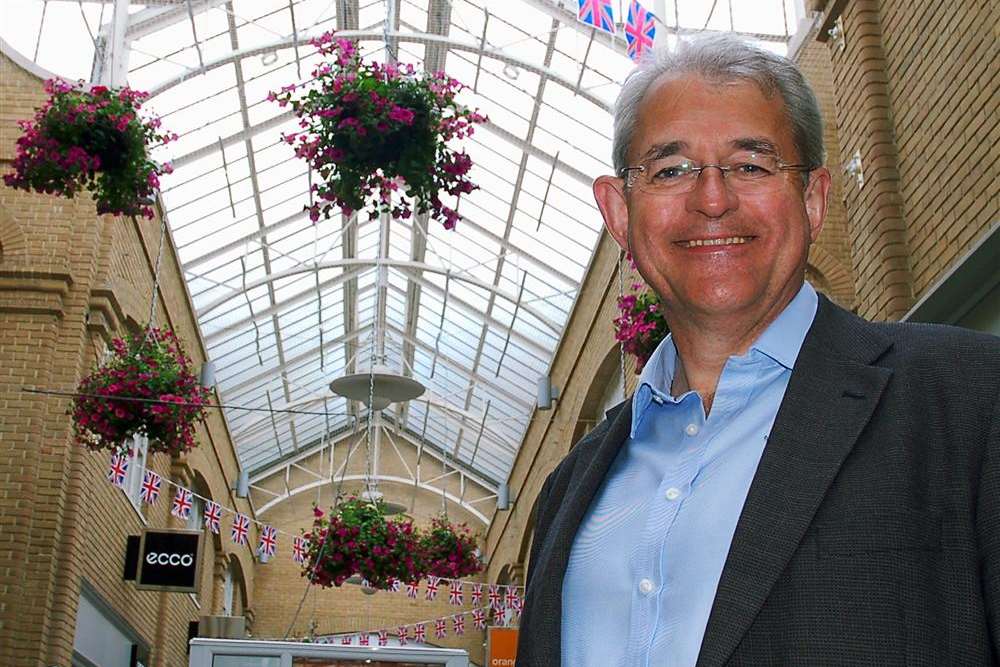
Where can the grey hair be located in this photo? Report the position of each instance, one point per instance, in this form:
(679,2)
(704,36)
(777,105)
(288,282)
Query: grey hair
(723,58)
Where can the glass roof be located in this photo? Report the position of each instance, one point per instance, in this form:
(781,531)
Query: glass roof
(286,305)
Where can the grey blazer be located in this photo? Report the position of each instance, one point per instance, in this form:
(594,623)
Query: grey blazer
(871,531)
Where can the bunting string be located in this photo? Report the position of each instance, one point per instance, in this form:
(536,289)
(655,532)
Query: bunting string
(500,596)
(275,411)
(419,631)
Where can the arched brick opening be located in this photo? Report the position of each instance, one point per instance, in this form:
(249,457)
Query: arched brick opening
(12,241)
(590,410)
(828,275)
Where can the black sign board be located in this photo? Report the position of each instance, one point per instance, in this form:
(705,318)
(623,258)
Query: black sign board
(139,656)
(170,560)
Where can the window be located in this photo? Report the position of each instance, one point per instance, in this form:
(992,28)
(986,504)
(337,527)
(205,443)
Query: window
(103,637)
(136,468)
(227,591)
(194,520)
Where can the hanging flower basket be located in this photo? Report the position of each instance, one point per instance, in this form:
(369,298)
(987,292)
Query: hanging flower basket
(450,550)
(356,538)
(640,325)
(370,130)
(95,140)
(145,387)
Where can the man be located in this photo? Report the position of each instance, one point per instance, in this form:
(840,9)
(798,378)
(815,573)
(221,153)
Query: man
(789,484)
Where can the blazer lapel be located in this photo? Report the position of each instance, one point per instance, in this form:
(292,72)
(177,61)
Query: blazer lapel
(586,479)
(830,398)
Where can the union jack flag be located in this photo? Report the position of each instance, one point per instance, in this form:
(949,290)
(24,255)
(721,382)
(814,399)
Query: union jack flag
(241,529)
(299,550)
(213,515)
(346,640)
(455,594)
(419,633)
(479,619)
(508,597)
(494,596)
(118,469)
(268,541)
(363,640)
(459,623)
(516,603)
(402,635)
(182,503)
(477,594)
(383,637)
(432,588)
(440,628)
(394,585)
(411,589)
(640,30)
(150,489)
(597,13)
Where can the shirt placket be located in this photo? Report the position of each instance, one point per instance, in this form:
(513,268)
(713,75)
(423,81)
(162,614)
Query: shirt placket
(678,424)
(689,426)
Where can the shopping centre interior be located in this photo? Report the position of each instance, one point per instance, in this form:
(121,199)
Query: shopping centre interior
(505,324)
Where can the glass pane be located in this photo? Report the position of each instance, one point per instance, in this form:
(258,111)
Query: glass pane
(246,661)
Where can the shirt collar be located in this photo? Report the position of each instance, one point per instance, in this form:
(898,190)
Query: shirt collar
(783,338)
(781,341)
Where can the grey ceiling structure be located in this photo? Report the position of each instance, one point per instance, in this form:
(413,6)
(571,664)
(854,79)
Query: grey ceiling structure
(286,305)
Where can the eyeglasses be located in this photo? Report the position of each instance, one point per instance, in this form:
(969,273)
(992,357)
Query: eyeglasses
(744,173)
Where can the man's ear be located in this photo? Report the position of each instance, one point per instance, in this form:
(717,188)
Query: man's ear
(610,195)
(817,193)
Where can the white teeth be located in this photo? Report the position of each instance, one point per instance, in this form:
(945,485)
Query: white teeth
(732,240)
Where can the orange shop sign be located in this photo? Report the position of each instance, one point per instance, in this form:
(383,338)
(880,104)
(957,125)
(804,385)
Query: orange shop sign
(501,646)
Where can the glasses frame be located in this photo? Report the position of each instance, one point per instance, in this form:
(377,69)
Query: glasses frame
(626,173)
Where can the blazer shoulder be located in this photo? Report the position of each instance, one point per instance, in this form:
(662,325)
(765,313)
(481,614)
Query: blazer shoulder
(950,349)
(940,368)
(939,349)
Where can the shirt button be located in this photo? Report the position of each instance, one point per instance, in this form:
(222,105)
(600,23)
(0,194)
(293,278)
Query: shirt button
(645,586)
(691,429)
(673,493)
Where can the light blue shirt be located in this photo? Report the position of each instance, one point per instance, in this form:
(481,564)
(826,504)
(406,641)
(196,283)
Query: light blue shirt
(647,558)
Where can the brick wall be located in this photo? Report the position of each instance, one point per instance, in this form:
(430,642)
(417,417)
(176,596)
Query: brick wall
(915,91)
(830,257)
(941,75)
(69,281)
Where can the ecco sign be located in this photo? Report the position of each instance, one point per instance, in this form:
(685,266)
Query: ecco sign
(185,560)
(169,560)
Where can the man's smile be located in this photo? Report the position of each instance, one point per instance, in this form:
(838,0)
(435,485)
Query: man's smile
(710,242)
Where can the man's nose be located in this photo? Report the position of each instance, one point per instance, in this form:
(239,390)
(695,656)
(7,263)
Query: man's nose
(711,195)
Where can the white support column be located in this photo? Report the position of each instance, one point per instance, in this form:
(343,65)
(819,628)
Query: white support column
(660,9)
(111,58)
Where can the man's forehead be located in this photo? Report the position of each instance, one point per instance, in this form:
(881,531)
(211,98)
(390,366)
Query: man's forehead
(684,81)
(680,110)
(756,144)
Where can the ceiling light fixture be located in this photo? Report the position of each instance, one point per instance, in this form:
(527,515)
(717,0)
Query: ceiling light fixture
(382,385)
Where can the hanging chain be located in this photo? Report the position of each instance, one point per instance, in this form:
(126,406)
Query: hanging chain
(621,295)
(370,486)
(444,451)
(151,320)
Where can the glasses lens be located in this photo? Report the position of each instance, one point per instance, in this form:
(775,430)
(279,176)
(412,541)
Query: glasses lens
(744,173)
(752,169)
(669,175)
